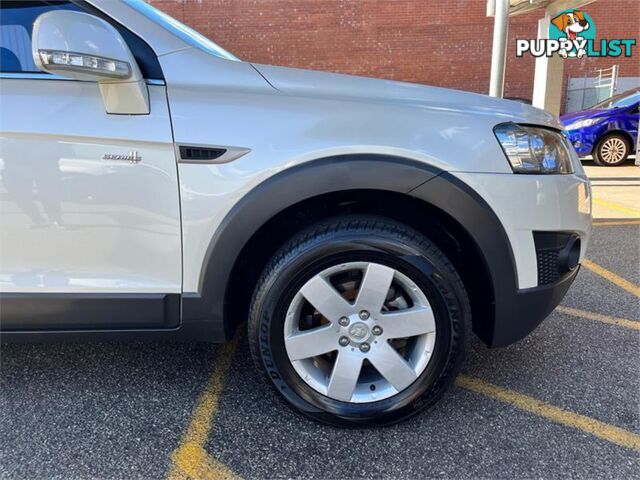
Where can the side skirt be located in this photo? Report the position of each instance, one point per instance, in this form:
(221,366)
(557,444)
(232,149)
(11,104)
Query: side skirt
(63,311)
(56,317)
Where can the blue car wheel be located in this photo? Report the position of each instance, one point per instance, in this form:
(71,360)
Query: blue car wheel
(612,150)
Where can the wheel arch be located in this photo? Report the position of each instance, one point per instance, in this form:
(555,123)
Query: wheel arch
(295,198)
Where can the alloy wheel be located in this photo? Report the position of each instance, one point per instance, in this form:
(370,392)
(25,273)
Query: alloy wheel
(359,332)
(613,150)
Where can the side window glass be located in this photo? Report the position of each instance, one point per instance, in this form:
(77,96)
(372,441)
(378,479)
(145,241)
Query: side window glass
(15,53)
(16,23)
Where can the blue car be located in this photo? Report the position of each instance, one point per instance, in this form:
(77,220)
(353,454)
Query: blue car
(608,130)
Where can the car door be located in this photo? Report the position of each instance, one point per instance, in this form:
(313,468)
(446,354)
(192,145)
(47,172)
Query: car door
(89,202)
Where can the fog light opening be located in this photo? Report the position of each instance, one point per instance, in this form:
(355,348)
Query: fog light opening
(569,256)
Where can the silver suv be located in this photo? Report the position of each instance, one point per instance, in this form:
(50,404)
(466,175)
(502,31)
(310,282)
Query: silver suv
(154,186)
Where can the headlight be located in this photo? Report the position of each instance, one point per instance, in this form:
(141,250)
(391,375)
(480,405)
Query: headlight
(534,149)
(585,122)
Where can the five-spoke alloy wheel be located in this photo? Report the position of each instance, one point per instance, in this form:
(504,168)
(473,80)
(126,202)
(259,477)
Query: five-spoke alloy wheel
(359,320)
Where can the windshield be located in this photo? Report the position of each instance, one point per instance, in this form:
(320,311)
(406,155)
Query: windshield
(179,29)
(623,100)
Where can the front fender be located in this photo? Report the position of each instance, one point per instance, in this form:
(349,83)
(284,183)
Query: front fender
(371,172)
(304,181)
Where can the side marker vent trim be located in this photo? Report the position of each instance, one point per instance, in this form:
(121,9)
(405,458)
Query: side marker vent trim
(200,153)
(209,154)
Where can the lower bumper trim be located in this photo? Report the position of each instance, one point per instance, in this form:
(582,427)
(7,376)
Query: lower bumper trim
(521,315)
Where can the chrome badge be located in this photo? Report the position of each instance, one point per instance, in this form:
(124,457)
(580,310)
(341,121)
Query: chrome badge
(359,331)
(132,157)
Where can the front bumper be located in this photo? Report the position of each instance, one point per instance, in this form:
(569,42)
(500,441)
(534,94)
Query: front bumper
(528,308)
(526,205)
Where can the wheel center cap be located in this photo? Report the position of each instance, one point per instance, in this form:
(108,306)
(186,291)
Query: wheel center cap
(358,331)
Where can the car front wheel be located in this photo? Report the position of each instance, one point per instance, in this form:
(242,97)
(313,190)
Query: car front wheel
(612,150)
(359,320)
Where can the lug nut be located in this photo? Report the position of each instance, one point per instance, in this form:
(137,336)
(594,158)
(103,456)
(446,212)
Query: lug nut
(376,330)
(364,314)
(365,347)
(344,341)
(344,321)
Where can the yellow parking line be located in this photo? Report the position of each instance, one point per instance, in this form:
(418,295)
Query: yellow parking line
(620,322)
(586,424)
(190,459)
(617,207)
(616,223)
(612,277)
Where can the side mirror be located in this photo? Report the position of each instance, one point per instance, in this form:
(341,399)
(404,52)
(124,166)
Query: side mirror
(84,47)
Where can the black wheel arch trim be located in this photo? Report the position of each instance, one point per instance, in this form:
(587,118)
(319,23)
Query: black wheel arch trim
(361,171)
(280,191)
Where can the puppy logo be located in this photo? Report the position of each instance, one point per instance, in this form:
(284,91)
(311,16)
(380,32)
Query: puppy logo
(572,24)
(572,34)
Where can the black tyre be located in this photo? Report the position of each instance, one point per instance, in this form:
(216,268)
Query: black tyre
(359,320)
(612,150)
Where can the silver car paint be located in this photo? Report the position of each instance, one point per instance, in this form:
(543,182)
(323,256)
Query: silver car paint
(71,221)
(302,116)
(287,117)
